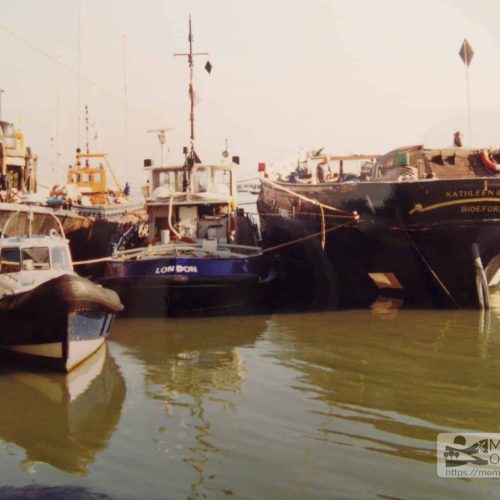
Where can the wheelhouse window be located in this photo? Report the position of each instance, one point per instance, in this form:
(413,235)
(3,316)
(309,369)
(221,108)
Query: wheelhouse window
(202,176)
(10,260)
(60,258)
(35,258)
(222,180)
(171,178)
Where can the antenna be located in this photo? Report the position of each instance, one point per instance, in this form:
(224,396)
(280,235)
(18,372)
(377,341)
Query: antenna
(87,147)
(80,8)
(162,138)
(125,103)
(225,153)
(1,92)
(208,67)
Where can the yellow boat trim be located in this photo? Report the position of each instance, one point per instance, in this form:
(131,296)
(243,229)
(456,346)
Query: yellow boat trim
(419,208)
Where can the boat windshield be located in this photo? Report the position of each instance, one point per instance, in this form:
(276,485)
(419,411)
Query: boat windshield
(35,258)
(171,178)
(212,179)
(10,260)
(28,259)
(60,258)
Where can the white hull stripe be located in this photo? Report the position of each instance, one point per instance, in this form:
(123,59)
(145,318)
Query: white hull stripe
(78,350)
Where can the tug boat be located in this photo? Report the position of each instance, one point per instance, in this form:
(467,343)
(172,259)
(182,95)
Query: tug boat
(203,257)
(418,224)
(49,314)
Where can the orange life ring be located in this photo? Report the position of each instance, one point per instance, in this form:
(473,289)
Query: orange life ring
(488,161)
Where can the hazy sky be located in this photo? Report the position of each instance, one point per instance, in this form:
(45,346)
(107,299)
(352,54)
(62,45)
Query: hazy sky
(354,76)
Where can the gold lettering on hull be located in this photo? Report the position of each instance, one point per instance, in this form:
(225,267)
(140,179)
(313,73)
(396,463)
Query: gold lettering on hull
(472,193)
(474,209)
(464,202)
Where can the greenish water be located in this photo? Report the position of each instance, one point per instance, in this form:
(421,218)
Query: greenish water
(328,405)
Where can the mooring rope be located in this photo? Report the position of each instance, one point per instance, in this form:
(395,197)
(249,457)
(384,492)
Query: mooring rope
(309,200)
(315,214)
(424,260)
(92,261)
(303,238)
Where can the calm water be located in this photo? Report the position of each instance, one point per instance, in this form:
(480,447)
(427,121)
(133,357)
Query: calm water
(330,405)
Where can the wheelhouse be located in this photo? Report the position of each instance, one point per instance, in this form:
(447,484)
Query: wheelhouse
(34,255)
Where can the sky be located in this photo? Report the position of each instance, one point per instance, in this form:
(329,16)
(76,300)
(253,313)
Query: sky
(352,76)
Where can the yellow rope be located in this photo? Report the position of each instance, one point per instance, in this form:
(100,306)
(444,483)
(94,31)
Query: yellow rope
(323,228)
(298,240)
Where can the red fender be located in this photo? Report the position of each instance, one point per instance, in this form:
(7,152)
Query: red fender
(488,162)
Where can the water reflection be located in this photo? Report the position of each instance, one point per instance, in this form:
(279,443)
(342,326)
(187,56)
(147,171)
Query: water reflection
(62,419)
(395,378)
(194,357)
(191,367)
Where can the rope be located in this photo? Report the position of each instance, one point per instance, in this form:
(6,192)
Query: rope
(310,200)
(274,214)
(303,238)
(323,228)
(424,260)
(92,261)
(265,250)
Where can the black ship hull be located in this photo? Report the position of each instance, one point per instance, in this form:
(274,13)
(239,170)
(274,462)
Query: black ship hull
(428,243)
(180,287)
(59,323)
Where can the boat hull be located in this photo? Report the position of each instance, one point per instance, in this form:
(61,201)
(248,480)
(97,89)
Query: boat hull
(59,323)
(169,286)
(422,242)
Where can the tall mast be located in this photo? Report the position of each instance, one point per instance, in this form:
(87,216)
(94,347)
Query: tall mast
(125,103)
(79,71)
(190,55)
(1,92)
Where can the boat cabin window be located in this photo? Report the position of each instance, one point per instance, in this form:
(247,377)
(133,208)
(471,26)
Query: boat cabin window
(172,178)
(35,258)
(60,258)
(14,177)
(10,260)
(222,180)
(202,180)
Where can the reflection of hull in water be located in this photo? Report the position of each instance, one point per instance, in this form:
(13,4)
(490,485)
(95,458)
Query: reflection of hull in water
(408,239)
(63,420)
(385,373)
(193,356)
